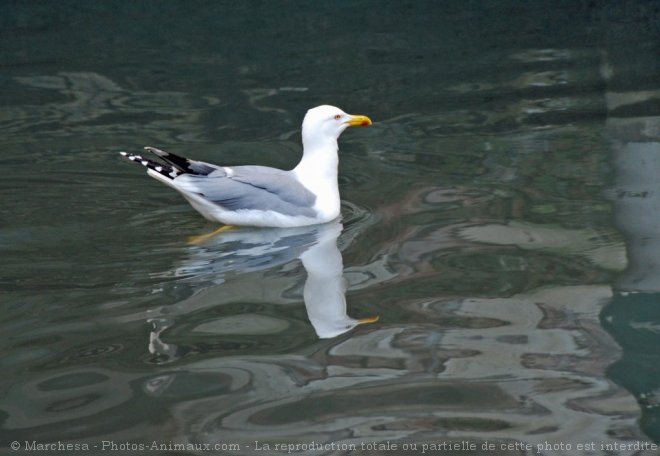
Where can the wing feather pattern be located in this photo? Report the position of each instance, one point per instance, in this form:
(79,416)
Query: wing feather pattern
(252,188)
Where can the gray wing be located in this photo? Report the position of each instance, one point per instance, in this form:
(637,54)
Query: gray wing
(252,187)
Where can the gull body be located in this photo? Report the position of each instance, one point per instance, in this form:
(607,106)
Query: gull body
(259,195)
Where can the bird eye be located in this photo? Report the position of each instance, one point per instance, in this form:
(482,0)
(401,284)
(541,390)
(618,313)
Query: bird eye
(338,116)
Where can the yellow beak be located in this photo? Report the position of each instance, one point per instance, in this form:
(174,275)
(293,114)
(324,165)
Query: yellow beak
(357,120)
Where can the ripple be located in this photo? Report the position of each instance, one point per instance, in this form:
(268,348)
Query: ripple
(474,226)
(96,105)
(84,354)
(246,324)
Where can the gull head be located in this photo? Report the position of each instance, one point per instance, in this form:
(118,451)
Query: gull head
(325,123)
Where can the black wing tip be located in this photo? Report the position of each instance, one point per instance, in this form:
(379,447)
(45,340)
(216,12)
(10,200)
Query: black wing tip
(182,164)
(161,168)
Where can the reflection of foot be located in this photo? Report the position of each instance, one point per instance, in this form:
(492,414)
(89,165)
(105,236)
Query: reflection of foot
(157,346)
(203,237)
(364,321)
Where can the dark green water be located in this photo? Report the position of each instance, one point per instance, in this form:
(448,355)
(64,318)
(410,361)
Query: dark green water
(501,218)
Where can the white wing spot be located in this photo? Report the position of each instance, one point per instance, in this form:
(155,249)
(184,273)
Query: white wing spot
(159,168)
(144,163)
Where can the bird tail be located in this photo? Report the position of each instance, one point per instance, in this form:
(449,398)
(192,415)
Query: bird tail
(162,169)
(174,165)
(182,164)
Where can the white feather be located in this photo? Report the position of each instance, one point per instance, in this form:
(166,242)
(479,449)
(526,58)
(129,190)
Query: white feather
(317,172)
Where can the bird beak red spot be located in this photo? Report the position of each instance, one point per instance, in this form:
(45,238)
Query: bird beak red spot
(358,120)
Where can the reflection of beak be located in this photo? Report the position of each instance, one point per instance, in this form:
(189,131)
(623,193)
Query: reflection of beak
(356,120)
(364,321)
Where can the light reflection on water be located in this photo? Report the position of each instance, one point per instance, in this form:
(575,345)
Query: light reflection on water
(488,223)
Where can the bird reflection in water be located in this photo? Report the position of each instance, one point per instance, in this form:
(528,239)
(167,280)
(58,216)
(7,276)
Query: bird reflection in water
(325,286)
(245,250)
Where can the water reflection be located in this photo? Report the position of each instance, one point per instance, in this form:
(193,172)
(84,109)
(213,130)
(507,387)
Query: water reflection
(91,104)
(325,286)
(633,314)
(466,357)
(248,250)
(491,265)
(49,405)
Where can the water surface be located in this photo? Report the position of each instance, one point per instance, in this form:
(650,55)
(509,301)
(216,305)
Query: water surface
(499,218)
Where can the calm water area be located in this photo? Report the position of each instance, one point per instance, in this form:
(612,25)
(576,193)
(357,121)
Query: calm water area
(501,219)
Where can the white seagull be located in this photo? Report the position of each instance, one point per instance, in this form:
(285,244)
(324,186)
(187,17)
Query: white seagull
(262,196)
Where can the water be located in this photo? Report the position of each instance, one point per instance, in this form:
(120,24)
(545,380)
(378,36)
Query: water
(499,218)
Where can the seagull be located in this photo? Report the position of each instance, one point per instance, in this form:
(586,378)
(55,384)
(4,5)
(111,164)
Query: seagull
(259,195)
